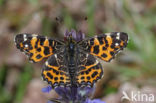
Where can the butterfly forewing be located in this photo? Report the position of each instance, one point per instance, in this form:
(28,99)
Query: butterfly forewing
(105,46)
(37,47)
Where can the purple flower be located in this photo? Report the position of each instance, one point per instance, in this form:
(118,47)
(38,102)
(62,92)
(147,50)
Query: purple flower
(47,89)
(73,95)
(75,35)
(87,101)
(94,101)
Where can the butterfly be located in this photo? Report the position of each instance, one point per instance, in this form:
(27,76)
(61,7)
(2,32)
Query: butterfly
(71,62)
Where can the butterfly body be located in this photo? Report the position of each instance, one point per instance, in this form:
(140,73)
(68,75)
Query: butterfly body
(71,58)
(71,62)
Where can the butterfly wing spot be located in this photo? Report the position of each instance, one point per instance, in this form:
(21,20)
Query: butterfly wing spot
(46,42)
(96,49)
(26,45)
(104,55)
(118,36)
(100,40)
(24,37)
(38,56)
(46,50)
(116,44)
(49,75)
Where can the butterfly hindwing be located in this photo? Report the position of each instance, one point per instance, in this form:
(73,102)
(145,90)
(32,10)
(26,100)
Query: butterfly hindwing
(105,46)
(89,70)
(55,71)
(36,47)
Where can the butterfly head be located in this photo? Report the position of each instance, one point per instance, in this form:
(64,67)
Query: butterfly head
(70,38)
(71,42)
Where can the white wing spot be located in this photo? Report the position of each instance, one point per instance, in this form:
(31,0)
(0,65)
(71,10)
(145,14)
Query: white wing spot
(26,45)
(116,44)
(46,63)
(87,55)
(55,56)
(25,37)
(118,36)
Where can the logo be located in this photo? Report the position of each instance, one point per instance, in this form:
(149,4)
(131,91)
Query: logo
(138,96)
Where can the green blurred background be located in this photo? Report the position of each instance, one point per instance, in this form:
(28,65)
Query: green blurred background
(133,69)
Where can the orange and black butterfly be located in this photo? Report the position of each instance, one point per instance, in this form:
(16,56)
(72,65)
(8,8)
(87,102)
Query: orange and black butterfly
(72,61)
